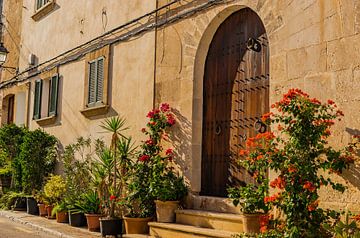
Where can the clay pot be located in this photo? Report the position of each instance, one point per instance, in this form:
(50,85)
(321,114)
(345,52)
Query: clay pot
(93,221)
(42,210)
(251,222)
(49,210)
(62,217)
(137,225)
(165,211)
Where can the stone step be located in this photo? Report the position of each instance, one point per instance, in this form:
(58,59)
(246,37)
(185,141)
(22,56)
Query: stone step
(208,219)
(172,230)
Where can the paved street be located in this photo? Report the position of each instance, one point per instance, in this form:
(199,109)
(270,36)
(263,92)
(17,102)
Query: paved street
(10,229)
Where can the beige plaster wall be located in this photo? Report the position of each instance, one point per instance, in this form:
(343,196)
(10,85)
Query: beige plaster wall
(314,45)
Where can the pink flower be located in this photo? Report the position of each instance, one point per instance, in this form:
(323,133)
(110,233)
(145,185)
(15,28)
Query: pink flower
(169,151)
(149,142)
(170,119)
(150,114)
(165,107)
(144,158)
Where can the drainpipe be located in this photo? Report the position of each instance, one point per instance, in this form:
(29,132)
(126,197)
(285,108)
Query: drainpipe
(155,54)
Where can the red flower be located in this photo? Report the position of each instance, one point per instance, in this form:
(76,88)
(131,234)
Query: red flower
(165,107)
(272,198)
(266,116)
(315,101)
(356,217)
(170,119)
(330,102)
(169,151)
(292,169)
(143,130)
(144,158)
(112,197)
(150,114)
(313,206)
(279,182)
(243,152)
(309,186)
(149,142)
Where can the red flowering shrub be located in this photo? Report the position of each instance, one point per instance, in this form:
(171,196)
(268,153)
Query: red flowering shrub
(298,154)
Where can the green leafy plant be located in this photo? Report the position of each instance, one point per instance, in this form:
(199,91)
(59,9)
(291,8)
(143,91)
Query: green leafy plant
(77,160)
(89,203)
(8,200)
(54,189)
(60,207)
(116,126)
(345,229)
(298,153)
(37,159)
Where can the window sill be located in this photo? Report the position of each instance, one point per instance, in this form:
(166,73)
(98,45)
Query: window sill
(95,111)
(44,10)
(46,121)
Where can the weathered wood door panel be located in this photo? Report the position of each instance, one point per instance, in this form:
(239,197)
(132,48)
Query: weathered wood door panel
(236,94)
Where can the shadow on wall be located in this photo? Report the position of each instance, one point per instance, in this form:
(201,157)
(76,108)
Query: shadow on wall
(352,175)
(180,138)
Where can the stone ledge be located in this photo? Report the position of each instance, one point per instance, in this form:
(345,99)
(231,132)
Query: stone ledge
(218,215)
(44,10)
(96,110)
(46,120)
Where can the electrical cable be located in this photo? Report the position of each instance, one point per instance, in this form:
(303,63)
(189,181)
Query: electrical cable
(120,38)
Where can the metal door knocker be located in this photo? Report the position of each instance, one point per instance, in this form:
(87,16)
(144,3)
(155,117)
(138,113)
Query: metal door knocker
(259,126)
(218,130)
(253,44)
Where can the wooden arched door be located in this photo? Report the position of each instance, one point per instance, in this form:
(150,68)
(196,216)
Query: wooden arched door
(235,95)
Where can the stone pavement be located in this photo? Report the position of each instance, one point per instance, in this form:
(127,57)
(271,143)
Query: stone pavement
(53,228)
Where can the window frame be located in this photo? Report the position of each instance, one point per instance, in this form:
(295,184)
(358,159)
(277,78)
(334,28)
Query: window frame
(54,112)
(96,102)
(38,115)
(40,4)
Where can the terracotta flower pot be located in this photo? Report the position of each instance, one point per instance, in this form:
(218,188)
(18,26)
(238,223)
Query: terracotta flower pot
(49,210)
(93,221)
(42,210)
(137,225)
(252,222)
(165,211)
(62,217)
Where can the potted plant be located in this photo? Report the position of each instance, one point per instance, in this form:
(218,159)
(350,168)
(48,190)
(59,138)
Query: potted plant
(40,199)
(89,204)
(112,181)
(32,205)
(54,191)
(166,187)
(60,211)
(251,196)
(76,160)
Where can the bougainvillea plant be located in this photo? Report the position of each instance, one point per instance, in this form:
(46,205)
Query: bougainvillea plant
(155,178)
(300,155)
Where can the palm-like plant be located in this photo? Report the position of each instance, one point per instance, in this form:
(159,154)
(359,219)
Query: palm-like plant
(115,125)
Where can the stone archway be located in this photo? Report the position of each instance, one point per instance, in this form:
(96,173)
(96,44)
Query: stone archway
(199,69)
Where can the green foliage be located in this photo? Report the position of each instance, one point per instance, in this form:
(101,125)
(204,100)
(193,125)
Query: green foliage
(153,176)
(11,137)
(8,200)
(298,153)
(77,167)
(55,189)
(116,126)
(344,229)
(37,159)
(89,203)
(60,207)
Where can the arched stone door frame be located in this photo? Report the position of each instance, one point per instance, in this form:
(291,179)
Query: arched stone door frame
(199,69)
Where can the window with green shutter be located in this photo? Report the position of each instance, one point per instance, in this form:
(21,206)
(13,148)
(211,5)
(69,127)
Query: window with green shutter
(96,82)
(37,99)
(41,3)
(53,95)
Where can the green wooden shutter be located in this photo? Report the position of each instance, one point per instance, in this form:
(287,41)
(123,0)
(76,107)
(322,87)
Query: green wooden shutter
(100,80)
(53,97)
(92,83)
(37,100)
